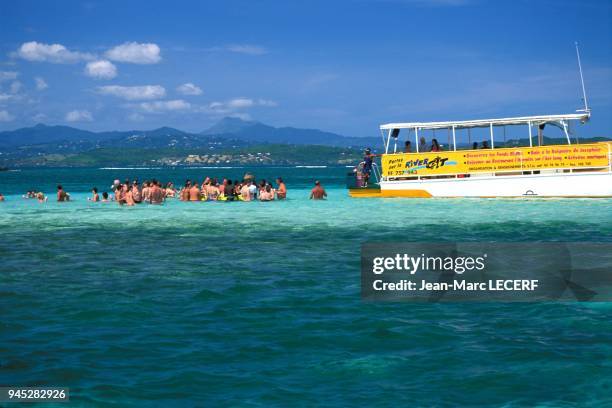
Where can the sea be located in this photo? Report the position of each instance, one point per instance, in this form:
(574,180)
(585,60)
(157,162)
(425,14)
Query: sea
(257,304)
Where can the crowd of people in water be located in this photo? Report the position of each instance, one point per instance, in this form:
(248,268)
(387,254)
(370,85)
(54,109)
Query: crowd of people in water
(132,192)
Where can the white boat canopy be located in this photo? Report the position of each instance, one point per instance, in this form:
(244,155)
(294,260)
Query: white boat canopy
(561,121)
(464,124)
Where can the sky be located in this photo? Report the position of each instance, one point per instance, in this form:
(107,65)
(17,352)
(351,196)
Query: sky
(344,66)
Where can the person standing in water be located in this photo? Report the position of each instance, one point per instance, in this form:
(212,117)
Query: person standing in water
(281,191)
(95,197)
(318,192)
(62,195)
(156,194)
(194,192)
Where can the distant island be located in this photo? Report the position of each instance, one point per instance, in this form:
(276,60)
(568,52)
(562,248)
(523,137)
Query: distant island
(231,141)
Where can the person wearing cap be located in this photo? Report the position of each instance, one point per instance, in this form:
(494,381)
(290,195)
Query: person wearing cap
(318,192)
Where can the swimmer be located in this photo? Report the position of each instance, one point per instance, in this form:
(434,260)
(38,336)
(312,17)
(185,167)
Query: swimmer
(105,197)
(318,192)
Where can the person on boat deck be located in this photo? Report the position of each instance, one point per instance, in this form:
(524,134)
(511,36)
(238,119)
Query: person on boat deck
(423,145)
(474,145)
(318,192)
(485,144)
(408,147)
(61,194)
(368,161)
(281,191)
(435,146)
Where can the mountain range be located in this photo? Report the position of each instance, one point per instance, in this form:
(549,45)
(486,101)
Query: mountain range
(227,132)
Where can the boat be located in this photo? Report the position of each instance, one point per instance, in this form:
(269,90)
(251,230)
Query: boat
(488,170)
(538,170)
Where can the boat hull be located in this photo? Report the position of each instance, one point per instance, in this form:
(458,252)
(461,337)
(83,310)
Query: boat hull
(596,184)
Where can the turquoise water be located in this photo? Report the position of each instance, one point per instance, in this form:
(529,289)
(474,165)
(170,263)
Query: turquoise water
(258,304)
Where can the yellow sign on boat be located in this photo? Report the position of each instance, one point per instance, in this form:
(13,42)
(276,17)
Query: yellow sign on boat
(490,160)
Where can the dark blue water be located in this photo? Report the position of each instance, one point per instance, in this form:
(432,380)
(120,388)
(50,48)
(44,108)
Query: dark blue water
(258,304)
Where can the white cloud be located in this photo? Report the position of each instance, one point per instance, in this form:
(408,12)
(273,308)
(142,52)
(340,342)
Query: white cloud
(79,116)
(266,102)
(247,49)
(239,103)
(101,69)
(135,53)
(165,106)
(15,87)
(39,117)
(8,75)
(189,89)
(5,116)
(54,53)
(41,85)
(133,93)
(135,117)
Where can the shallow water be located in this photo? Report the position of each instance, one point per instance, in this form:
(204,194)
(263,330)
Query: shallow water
(258,304)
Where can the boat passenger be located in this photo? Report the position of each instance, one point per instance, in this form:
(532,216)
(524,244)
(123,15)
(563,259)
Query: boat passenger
(318,192)
(408,147)
(435,146)
(475,146)
(485,144)
(368,161)
(423,145)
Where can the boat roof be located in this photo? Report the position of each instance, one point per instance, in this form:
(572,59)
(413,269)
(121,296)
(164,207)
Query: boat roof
(464,124)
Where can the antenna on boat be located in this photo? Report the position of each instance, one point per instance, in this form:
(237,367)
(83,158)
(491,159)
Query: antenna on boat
(584,96)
